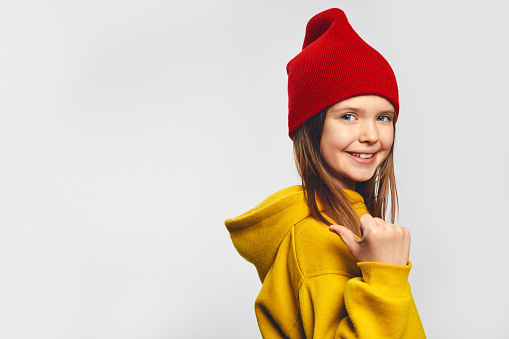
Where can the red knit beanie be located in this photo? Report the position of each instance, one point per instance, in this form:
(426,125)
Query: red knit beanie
(335,64)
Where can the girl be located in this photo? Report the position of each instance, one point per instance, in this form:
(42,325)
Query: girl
(343,106)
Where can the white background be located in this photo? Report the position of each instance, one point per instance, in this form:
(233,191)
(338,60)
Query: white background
(130,130)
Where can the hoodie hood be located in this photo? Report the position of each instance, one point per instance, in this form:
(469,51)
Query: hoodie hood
(258,233)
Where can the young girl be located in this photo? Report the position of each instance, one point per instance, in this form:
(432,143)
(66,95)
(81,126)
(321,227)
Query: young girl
(343,106)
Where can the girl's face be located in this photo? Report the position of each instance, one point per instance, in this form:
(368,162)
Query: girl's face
(357,136)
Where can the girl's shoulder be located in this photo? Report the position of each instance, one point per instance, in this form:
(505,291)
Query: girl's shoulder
(319,251)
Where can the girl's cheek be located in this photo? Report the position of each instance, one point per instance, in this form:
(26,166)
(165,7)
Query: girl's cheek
(388,136)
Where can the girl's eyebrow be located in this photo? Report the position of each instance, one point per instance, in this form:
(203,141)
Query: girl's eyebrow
(349,108)
(357,109)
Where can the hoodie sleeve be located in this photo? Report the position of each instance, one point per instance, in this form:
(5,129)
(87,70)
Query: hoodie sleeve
(377,305)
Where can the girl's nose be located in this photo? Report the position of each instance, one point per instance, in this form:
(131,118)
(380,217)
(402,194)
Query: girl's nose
(368,133)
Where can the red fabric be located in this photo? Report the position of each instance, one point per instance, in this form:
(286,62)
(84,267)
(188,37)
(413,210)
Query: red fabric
(334,64)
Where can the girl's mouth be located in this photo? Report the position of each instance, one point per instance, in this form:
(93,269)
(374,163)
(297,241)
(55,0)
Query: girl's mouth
(362,155)
(363,158)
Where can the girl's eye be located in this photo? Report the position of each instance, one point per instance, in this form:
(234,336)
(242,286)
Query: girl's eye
(348,117)
(384,118)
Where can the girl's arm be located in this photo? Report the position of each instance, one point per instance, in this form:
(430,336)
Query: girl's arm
(377,305)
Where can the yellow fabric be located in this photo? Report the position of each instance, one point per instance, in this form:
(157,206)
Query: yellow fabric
(311,285)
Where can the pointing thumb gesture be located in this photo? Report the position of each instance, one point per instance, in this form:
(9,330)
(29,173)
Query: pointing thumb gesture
(348,238)
(380,241)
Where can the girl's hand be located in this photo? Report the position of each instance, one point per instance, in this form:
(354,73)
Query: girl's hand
(381,241)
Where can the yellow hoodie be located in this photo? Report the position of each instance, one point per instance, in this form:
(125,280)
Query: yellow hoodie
(312,286)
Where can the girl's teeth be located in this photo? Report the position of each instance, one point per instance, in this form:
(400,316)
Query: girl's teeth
(363,155)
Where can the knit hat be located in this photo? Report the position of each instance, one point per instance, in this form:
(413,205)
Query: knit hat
(335,64)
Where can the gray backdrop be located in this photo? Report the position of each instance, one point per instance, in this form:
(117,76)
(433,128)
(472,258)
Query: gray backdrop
(131,129)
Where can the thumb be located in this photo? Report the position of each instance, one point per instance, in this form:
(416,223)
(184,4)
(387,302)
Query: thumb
(348,238)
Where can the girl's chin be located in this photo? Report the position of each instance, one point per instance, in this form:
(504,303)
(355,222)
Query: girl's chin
(351,181)
(362,179)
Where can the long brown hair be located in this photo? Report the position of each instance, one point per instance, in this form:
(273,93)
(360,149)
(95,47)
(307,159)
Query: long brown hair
(320,182)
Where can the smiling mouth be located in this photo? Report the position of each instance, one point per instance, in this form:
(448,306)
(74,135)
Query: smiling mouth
(362,155)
